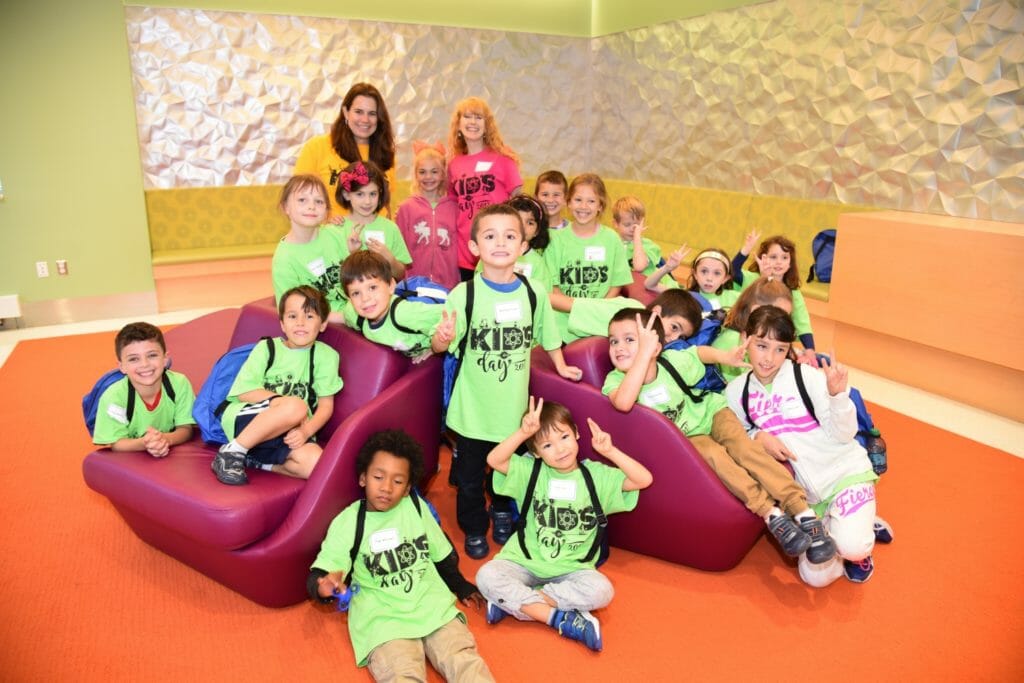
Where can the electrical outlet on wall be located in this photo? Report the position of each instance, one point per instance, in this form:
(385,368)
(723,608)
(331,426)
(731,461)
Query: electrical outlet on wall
(42,269)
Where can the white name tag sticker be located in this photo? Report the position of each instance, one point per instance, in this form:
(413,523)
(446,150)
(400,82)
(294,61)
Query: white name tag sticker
(524,269)
(317,266)
(715,305)
(593,254)
(562,489)
(508,311)
(118,413)
(654,396)
(482,166)
(377,235)
(385,539)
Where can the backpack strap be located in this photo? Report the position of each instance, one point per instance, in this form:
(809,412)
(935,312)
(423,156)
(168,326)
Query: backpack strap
(670,369)
(356,542)
(745,400)
(465,338)
(394,321)
(219,410)
(311,392)
(165,382)
(530,294)
(527,500)
(802,388)
(602,519)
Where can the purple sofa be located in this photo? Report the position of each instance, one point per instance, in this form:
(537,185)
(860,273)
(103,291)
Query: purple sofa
(260,539)
(686,516)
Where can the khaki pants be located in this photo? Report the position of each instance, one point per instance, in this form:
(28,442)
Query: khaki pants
(746,469)
(451,649)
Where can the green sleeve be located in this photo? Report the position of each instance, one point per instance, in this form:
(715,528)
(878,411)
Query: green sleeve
(327,381)
(252,373)
(184,397)
(801,317)
(111,414)
(337,545)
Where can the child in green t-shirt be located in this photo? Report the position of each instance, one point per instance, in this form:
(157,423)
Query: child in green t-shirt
(509,313)
(642,253)
(379,315)
(548,573)
(403,573)
(278,403)
(150,409)
(309,254)
(635,339)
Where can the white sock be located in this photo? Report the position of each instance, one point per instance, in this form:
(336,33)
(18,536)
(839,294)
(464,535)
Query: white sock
(806,514)
(236,447)
(772,513)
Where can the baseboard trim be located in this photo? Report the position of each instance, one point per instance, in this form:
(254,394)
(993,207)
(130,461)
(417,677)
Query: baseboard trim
(60,311)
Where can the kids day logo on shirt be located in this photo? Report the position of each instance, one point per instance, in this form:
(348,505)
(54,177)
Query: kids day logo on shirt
(576,279)
(497,346)
(393,564)
(474,184)
(555,521)
(288,386)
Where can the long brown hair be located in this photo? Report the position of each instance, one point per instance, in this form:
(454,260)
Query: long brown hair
(382,141)
(764,291)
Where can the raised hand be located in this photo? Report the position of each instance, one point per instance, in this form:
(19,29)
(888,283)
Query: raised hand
(750,241)
(677,257)
(836,374)
(648,344)
(531,419)
(600,440)
(355,238)
(445,332)
(737,356)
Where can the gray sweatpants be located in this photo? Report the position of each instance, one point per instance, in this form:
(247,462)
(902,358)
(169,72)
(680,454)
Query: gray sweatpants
(510,586)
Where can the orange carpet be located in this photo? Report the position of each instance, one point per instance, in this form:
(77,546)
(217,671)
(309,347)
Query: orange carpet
(84,599)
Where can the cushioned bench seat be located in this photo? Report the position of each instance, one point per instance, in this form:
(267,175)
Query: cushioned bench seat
(167,257)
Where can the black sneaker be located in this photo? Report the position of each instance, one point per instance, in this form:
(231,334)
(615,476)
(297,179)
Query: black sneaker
(578,625)
(503,527)
(229,466)
(823,548)
(476,547)
(859,572)
(788,534)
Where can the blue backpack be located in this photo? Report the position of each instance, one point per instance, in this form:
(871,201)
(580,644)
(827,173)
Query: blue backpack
(824,248)
(212,400)
(711,325)
(415,288)
(91,401)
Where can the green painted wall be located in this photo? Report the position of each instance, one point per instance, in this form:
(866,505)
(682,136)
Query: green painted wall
(583,18)
(69,156)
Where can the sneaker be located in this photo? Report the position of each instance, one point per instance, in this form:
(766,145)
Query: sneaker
(578,625)
(823,548)
(476,547)
(229,466)
(503,527)
(788,534)
(495,613)
(859,572)
(883,532)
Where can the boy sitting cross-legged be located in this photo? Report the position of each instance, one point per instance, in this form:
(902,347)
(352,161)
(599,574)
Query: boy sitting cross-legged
(402,570)
(547,573)
(635,338)
(151,408)
(508,315)
(379,315)
(276,408)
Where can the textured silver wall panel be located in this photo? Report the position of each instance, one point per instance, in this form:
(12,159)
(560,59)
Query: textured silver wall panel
(916,104)
(228,98)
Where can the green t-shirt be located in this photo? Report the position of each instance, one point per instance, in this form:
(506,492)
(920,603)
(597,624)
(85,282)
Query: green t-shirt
(316,263)
(728,338)
(801,317)
(492,389)
(382,230)
(654,258)
(415,315)
(585,268)
(532,265)
(112,412)
(664,395)
(560,525)
(725,300)
(401,595)
(590,317)
(288,376)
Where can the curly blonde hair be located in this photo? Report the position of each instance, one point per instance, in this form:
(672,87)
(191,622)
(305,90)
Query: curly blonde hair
(492,136)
